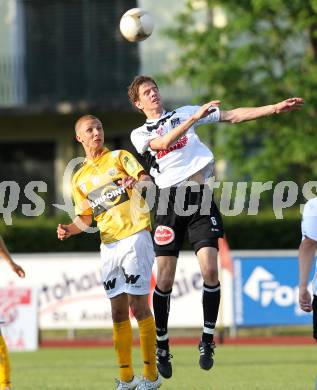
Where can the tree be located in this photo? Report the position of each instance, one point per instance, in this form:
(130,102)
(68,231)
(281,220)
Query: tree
(265,52)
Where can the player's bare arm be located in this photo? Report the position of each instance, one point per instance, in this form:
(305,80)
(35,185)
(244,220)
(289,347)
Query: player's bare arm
(306,257)
(143,181)
(79,225)
(127,182)
(131,182)
(4,253)
(244,114)
(144,177)
(167,140)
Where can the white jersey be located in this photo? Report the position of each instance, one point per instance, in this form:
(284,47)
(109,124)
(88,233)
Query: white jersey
(187,156)
(309,229)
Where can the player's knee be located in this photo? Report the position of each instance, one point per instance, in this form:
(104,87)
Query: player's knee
(140,309)
(210,273)
(165,282)
(119,314)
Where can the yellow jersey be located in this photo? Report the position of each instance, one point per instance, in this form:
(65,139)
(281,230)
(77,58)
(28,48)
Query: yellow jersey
(96,191)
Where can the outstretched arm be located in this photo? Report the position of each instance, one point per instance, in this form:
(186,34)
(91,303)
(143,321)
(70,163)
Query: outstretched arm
(79,225)
(305,256)
(249,113)
(7,257)
(164,142)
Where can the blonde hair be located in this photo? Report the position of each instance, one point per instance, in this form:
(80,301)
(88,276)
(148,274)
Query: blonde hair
(83,119)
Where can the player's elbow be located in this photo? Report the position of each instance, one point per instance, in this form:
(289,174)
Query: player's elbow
(160,144)
(236,119)
(165,145)
(231,117)
(309,243)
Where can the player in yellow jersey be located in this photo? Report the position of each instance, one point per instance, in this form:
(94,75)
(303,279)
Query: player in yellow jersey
(103,190)
(5,380)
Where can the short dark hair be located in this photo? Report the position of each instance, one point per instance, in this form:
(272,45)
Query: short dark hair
(133,89)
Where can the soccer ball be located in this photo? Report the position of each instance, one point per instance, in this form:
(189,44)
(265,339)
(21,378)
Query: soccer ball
(136,25)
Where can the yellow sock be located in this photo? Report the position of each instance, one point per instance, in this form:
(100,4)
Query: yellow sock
(147,342)
(122,338)
(4,365)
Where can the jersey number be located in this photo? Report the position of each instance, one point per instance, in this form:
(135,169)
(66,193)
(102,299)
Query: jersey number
(213,221)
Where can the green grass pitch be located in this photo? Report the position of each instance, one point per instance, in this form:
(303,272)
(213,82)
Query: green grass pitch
(236,368)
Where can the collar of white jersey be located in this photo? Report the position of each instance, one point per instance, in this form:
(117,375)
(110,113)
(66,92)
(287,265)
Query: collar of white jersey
(165,115)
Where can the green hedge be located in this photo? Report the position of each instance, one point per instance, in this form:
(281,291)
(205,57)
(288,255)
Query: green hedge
(29,235)
(242,232)
(262,233)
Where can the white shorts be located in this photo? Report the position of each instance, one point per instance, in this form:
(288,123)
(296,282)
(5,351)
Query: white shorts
(127,265)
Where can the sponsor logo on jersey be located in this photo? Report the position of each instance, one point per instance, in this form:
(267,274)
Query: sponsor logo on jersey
(175,122)
(160,130)
(130,164)
(178,145)
(106,197)
(163,235)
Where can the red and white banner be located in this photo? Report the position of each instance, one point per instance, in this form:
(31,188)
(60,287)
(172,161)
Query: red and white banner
(18,315)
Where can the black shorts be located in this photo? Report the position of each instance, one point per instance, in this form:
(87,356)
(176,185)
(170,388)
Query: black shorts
(315,317)
(185,209)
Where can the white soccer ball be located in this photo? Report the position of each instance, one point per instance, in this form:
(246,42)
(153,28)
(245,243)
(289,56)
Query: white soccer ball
(136,25)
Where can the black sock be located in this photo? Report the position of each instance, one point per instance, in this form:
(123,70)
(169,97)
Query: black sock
(161,307)
(211,301)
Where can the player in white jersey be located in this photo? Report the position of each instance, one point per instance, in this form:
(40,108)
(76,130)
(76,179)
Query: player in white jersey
(5,380)
(170,144)
(186,156)
(306,258)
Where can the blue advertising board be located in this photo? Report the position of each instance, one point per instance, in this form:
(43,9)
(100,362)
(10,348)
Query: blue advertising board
(266,291)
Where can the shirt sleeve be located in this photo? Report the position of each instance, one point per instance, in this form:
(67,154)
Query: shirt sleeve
(309,220)
(82,206)
(211,118)
(141,139)
(130,164)
(190,110)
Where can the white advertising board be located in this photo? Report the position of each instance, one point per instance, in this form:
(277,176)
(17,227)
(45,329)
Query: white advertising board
(71,293)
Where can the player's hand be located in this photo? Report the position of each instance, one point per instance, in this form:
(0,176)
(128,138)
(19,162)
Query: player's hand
(206,109)
(127,182)
(63,232)
(305,302)
(17,269)
(289,105)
